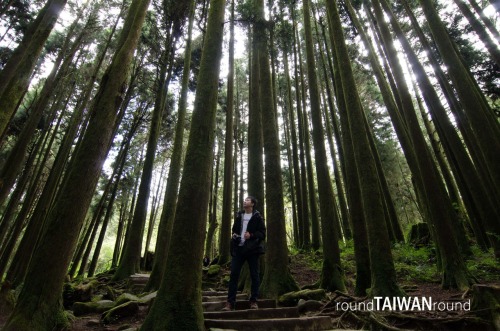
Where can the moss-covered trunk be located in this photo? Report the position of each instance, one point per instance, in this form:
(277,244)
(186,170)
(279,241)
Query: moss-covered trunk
(14,78)
(486,128)
(227,195)
(39,304)
(178,304)
(332,275)
(304,221)
(277,277)
(174,173)
(383,274)
(426,175)
(130,260)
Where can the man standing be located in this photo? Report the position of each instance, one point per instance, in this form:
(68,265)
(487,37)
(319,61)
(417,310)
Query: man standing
(249,232)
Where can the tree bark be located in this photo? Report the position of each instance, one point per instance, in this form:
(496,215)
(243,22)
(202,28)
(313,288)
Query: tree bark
(178,303)
(39,304)
(277,277)
(174,173)
(383,274)
(332,277)
(227,211)
(14,78)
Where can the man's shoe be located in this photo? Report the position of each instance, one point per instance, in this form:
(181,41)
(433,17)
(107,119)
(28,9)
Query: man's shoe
(254,305)
(228,307)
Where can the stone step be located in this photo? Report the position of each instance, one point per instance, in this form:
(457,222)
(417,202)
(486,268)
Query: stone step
(139,279)
(261,313)
(223,298)
(213,293)
(240,305)
(315,323)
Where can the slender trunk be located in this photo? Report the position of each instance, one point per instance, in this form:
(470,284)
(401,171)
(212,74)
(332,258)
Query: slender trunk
(178,303)
(166,225)
(383,274)
(427,178)
(14,78)
(227,211)
(304,221)
(485,125)
(332,277)
(277,277)
(480,31)
(39,304)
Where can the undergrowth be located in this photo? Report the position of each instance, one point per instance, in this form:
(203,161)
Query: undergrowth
(412,264)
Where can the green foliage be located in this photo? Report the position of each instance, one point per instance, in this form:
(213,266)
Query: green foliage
(483,265)
(347,257)
(415,264)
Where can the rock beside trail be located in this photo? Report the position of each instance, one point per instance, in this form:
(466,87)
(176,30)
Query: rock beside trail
(292,298)
(309,305)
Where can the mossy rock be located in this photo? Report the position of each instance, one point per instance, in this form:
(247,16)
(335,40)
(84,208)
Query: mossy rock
(213,270)
(126,297)
(291,299)
(84,308)
(309,305)
(128,309)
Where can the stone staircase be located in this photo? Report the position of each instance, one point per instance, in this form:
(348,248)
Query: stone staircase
(267,317)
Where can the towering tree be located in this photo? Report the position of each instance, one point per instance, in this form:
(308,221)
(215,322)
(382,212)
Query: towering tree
(14,78)
(331,274)
(178,304)
(383,274)
(174,173)
(39,303)
(227,215)
(277,277)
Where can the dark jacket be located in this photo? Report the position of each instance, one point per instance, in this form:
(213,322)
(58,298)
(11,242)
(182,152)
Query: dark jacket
(257,230)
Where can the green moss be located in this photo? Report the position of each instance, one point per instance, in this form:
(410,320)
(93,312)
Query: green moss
(415,264)
(213,270)
(483,265)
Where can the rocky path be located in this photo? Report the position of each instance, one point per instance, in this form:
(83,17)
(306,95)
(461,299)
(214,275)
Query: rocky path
(267,317)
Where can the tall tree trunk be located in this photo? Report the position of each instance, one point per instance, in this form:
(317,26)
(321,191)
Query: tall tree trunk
(383,274)
(178,303)
(166,225)
(277,277)
(426,176)
(39,303)
(344,214)
(130,261)
(14,78)
(227,211)
(255,180)
(313,222)
(480,31)
(332,277)
(485,125)
(299,196)
(304,221)
(9,172)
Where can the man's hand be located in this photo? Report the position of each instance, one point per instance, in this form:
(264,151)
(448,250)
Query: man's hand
(247,235)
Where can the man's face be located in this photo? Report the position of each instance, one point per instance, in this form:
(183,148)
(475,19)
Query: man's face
(247,203)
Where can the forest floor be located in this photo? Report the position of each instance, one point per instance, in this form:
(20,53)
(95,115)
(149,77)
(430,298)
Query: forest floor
(416,275)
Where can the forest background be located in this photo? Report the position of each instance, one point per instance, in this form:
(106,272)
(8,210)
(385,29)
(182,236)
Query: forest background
(130,127)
